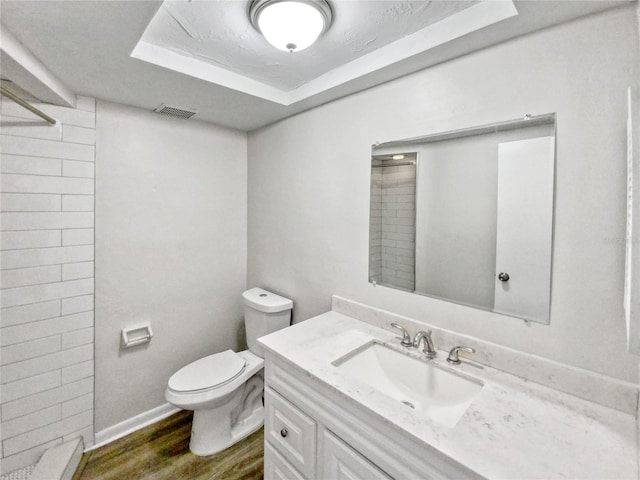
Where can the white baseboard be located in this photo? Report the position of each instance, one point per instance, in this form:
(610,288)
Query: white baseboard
(132,424)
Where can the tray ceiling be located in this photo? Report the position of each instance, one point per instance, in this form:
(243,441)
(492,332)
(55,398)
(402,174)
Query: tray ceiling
(205,56)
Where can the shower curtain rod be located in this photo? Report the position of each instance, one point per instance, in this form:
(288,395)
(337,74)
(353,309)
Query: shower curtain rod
(22,103)
(402,164)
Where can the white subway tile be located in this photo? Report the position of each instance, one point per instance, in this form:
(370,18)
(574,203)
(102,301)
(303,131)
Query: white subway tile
(30,239)
(406,198)
(76,422)
(77,405)
(86,434)
(64,115)
(30,385)
(406,229)
(410,220)
(31,421)
(405,268)
(46,220)
(31,128)
(46,363)
(74,134)
(86,103)
(44,328)
(388,273)
(77,169)
(46,256)
(30,313)
(30,439)
(397,251)
(46,399)
(77,203)
(47,148)
(77,304)
(20,277)
(404,275)
(406,237)
(406,261)
(30,202)
(30,165)
(77,338)
(73,271)
(401,190)
(77,236)
(31,349)
(11,183)
(78,371)
(26,457)
(403,283)
(12,297)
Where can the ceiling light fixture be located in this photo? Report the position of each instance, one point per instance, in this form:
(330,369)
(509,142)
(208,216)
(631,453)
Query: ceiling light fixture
(291,25)
(398,157)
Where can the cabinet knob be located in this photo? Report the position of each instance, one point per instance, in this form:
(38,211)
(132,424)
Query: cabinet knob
(503,277)
(284,433)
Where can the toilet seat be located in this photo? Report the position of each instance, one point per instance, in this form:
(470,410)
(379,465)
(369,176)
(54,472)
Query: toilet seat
(208,397)
(208,373)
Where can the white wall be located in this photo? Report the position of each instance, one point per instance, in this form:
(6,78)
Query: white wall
(47,279)
(309,185)
(171,202)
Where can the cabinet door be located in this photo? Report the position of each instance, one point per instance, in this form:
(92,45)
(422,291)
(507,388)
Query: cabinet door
(341,462)
(276,467)
(291,432)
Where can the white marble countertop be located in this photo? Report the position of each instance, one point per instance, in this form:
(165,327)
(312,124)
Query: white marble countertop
(514,429)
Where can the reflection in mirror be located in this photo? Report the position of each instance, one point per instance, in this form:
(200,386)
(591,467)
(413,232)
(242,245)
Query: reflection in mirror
(467,216)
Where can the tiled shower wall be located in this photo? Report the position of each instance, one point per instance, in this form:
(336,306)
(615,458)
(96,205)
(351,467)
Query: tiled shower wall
(47,234)
(397,230)
(375,226)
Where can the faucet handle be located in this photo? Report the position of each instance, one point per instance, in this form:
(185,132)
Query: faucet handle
(406,338)
(453,354)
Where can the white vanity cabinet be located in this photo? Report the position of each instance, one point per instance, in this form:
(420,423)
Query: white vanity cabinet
(341,462)
(312,432)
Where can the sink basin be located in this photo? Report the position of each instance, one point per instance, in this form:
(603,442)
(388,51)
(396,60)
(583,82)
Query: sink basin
(431,391)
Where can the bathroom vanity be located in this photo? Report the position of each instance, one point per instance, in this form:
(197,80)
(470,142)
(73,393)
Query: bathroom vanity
(327,418)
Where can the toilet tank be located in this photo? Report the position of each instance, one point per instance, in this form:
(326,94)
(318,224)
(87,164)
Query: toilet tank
(264,313)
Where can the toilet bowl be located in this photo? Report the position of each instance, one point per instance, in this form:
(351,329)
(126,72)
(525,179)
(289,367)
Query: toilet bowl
(225,389)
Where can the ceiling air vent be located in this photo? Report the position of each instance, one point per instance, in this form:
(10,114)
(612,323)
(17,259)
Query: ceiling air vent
(174,111)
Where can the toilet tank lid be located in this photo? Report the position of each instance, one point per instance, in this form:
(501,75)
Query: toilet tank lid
(267,302)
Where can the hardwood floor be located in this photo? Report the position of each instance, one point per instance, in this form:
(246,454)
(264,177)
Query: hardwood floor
(161,451)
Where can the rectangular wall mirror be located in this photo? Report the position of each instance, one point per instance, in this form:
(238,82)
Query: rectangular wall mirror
(467,216)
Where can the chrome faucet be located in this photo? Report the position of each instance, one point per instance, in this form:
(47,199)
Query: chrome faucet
(406,338)
(428,349)
(453,354)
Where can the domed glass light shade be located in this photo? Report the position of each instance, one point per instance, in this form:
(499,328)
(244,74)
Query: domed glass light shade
(291,25)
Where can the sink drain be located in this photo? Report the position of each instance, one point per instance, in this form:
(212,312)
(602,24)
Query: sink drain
(409,404)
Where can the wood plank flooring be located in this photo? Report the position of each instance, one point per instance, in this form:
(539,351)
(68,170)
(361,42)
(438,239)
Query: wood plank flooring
(161,451)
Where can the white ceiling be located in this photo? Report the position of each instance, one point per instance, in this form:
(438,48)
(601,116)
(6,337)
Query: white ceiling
(232,43)
(371,37)
(206,56)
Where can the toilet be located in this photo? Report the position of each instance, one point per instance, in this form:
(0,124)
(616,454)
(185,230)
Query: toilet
(225,389)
